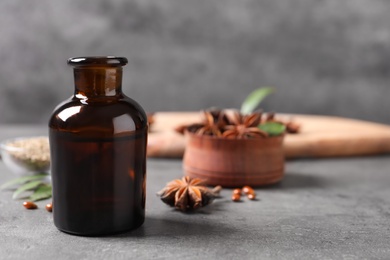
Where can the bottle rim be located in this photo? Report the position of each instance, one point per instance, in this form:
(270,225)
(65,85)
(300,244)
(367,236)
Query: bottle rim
(104,61)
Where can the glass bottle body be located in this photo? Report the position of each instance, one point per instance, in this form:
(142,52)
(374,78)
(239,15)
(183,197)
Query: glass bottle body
(98,156)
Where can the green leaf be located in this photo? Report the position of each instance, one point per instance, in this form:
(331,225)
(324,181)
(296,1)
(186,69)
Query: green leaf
(28,186)
(254,99)
(22,180)
(273,128)
(43,192)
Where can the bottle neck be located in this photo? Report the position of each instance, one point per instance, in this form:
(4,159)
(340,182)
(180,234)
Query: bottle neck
(95,82)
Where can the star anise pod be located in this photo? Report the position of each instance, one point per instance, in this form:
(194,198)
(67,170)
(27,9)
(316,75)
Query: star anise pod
(270,117)
(188,193)
(236,118)
(213,124)
(243,126)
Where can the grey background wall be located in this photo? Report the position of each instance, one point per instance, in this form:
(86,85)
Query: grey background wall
(324,57)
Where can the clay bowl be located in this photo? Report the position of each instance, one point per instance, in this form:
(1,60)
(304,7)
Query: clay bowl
(234,162)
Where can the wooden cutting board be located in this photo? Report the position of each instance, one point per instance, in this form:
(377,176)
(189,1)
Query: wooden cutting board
(320,136)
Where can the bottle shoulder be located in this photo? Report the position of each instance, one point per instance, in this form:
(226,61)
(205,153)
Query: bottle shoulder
(114,115)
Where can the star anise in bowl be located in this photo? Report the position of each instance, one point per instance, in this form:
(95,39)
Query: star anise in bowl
(188,193)
(243,126)
(213,124)
(231,124)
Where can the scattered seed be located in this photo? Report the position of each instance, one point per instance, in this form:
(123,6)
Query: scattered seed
(250,193)
(248,190)
(237,191)
(30,205)
(252,196)
(236,197)
(49,207)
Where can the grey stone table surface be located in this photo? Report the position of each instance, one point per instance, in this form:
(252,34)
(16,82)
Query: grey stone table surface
(323,209)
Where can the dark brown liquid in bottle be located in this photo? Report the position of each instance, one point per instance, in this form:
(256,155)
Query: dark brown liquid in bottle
(98,155)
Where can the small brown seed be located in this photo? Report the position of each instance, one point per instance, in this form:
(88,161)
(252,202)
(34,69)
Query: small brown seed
(236,197)
(237,191)
(30,205)
(247,190)
(252,196)
(49,207)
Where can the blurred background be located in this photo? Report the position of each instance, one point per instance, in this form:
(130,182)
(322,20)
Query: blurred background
(323,56)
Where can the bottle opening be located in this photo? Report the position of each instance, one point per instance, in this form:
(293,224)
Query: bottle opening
(104,61)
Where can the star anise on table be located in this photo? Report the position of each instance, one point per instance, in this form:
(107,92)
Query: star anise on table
(188,193)
(243,126)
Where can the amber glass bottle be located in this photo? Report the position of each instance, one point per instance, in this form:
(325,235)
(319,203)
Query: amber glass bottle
(98,152)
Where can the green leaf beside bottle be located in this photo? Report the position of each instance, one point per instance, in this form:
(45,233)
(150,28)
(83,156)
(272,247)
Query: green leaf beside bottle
(36,185)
